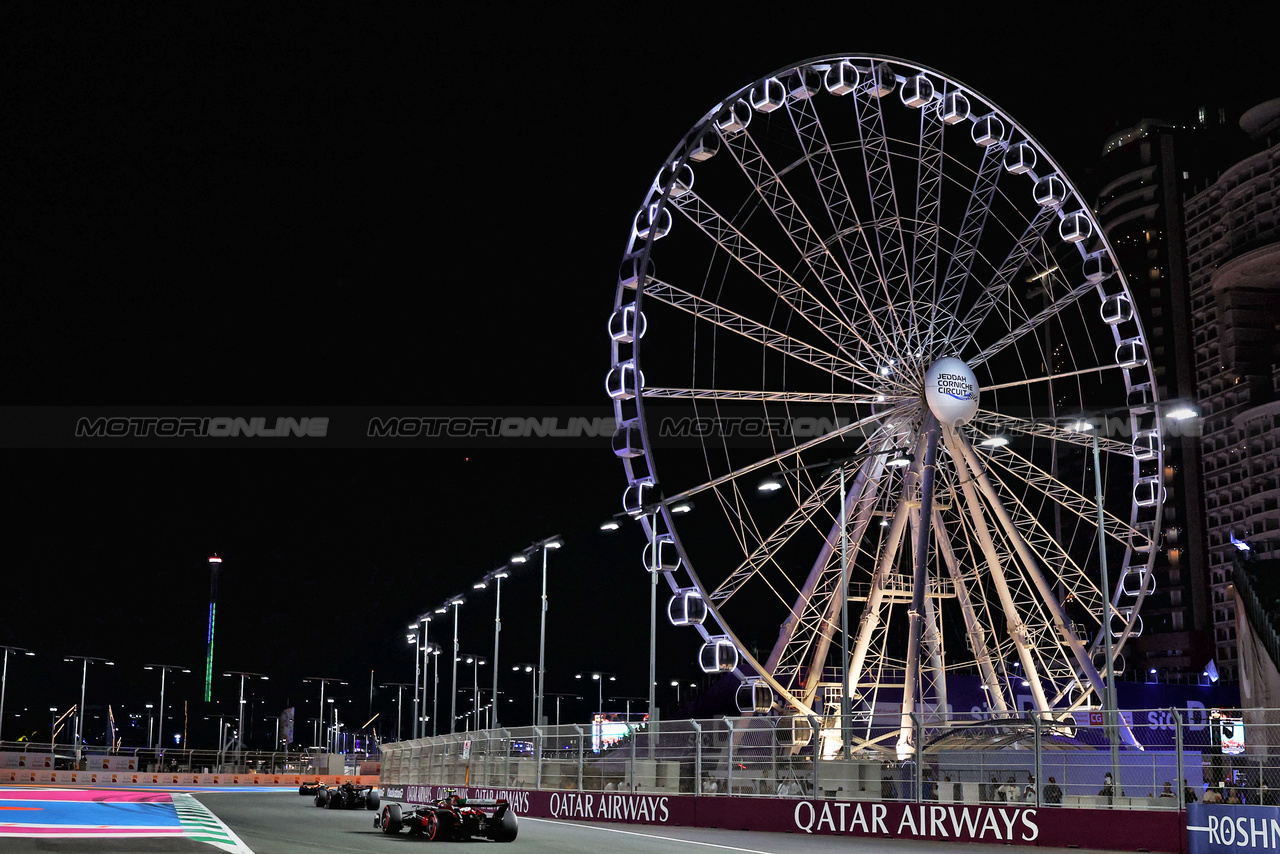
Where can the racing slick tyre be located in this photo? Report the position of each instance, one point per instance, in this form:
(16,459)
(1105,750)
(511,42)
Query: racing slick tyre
(336,800)
(392,820)
(431,826)
(322,797)
(371,800)
(507,828)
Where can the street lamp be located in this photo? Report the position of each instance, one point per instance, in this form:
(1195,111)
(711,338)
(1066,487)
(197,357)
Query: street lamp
(164,670)
(653,564)
(559,697)
(400,686)
(434,651)
(84,677)
(544,546)
(1176,411)
(240,723)
(4,679)
(323,680)
(529,668)
(421,642)
(599,679)
(475,661)
(496,578)
(456,602)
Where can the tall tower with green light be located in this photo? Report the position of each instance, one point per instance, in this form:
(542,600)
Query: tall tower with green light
(215,563)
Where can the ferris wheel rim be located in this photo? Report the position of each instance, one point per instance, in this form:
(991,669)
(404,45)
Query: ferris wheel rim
(681,158)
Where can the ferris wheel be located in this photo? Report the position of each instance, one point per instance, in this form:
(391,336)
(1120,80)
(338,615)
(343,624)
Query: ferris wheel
(871,329)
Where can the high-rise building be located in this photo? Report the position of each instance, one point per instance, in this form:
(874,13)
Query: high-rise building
(1146,171)
(1233,266)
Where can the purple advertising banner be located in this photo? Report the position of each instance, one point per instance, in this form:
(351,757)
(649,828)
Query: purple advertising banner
(1125,830)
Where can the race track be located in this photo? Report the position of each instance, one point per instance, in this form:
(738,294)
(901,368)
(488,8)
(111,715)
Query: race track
(282,822)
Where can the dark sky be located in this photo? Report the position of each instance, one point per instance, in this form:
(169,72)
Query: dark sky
(330,205)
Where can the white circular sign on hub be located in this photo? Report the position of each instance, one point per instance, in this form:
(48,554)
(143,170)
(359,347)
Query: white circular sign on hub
(951,390)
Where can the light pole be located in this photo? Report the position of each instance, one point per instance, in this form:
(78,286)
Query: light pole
(84,677)
(653,565)
(415,638)
(496,577)
(53,729)
(599,679)
(243,674)
(559,697)
(323,680)
(400,686)
(215,563)
(434,651)
(164,670)
(529,668)
(4,679)
(456,602)
(544,546)
(1176,411)
(475,661)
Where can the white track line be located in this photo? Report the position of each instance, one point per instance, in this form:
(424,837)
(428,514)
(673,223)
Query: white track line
(586,826)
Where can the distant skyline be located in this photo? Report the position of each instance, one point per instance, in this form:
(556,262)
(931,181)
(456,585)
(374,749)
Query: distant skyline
(418,207)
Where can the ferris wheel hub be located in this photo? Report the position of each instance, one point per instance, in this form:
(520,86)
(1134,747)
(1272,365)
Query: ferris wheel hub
(951,390)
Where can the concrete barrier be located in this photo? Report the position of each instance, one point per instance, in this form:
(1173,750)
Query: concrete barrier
(98,778)
(1012,824)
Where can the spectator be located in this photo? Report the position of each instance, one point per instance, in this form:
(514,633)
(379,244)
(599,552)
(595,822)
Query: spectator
(988,793)
(929,785)
(1267,795)
(1053,793)
(1107,790)
(1168,790)
(1233,797)
(1008,792)
(1212,796)
(1188,793)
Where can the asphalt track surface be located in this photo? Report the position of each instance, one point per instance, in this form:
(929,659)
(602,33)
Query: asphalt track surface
(282,822)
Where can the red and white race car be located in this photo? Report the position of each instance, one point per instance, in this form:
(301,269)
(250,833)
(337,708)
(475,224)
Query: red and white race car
(452,818)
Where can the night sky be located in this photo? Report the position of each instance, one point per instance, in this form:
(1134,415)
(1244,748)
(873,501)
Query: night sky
(330,205)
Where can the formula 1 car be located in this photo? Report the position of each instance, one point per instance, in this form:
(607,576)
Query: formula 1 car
(311,788)
(452,818)
(348,796)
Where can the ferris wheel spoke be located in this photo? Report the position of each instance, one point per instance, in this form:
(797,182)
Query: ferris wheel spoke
(850,235)
(805,237)
(1054,307)
(838,366)
(960,265)
(1082,506)
(763,554)
(728,395)
(1029,246)
(788,454)
(754,260)
(1098,370)
(924,256)
(885,215)
(992,424)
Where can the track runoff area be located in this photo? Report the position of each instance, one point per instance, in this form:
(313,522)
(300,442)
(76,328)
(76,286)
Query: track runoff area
(122,820)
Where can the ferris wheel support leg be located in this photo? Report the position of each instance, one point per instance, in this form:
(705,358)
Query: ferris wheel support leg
(1017,631)
(972,625)
(1032,569)
(919,586)
(875,596)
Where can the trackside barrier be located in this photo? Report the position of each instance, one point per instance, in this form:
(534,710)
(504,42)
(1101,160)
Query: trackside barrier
(1157,831)
(98,778)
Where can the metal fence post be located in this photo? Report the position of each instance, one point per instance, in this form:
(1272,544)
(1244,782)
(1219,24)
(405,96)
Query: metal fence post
(1036,726)
(632,775)
(815,725)
(917,725)
(1177,750)
(697,757)
(728,783)
(506,757)
(537,757)
(581,736)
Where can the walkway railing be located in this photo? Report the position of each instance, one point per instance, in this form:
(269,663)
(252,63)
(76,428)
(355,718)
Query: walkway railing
(1025,759)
